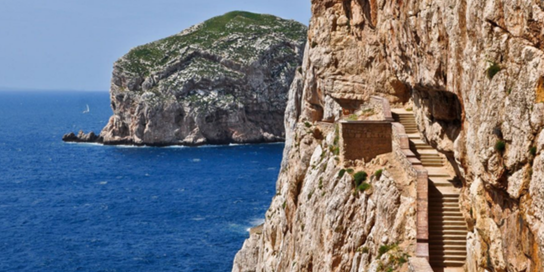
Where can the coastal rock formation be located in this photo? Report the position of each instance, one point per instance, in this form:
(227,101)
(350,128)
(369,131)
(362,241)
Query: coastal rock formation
(221,81)
(473,72)
(81,137)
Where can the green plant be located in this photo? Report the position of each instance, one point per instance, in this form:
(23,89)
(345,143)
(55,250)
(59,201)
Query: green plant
(409,109)
(509,91)
(336,150)
(300,70)
(378,173)
(384,249)
(353,117)
(307,124)
(532,151)
(320,183)
(341,173)
(350,171)
(283,205)
(493,69)
(363,187)
(500,146)
(360,177)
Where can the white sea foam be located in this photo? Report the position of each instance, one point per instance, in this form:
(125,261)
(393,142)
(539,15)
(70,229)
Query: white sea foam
(195,160)
(256,221)
(91,144)
(133,146)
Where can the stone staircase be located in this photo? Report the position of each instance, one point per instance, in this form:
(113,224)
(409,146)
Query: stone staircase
(447,228)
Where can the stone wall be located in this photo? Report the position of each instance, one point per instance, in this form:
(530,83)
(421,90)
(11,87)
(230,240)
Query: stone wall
(365,139)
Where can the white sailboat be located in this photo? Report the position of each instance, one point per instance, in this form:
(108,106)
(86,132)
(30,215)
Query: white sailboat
(87,110)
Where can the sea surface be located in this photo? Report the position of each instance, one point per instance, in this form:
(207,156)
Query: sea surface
(85,207)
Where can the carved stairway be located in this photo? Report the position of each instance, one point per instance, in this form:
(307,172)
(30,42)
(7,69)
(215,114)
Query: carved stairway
(447,228)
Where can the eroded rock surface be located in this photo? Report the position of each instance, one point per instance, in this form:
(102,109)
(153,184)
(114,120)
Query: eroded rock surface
(473,72)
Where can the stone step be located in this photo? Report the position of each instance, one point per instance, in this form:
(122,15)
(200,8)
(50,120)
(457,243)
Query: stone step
(449,243)
(448,263)
(449,257)
(434,164)
(445,195)
(454,227)
(443,175)
(437,253)
(428,152)
(444,214)
(447,247)
(439,223)
(438,219)
(431,157)
(436,233)
(446,205)
(428,159)
(434,160)
(430,164)
(443,198)
(442,184)
(441,208)
(454,223)
(452,237)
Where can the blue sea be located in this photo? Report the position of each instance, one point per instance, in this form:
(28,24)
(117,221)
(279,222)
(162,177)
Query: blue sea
(85,207)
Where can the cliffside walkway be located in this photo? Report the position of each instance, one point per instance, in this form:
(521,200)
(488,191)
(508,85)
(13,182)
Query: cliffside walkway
(447,228)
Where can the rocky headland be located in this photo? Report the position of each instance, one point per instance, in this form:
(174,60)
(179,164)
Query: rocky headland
(472,75)
(222,81)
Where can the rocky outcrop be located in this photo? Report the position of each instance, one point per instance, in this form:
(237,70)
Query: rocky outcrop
(473,73)
(82,137)
(218,82)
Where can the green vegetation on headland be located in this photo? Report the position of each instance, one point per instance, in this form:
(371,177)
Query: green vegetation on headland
(238,35)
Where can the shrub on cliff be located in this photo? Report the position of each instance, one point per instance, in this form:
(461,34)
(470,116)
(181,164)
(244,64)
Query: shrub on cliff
(363,187)
(378,173)
(492,70)
(341,173)
(532,151)
(360,177)
(500,146)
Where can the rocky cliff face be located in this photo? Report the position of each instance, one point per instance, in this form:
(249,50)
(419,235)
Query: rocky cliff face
(473,72)
(222,81)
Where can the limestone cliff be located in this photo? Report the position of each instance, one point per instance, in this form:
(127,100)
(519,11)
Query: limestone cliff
(221,81)
(473,71)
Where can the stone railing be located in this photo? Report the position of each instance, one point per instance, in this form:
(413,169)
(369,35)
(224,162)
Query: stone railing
(403,153)
(401,148)
(366,139)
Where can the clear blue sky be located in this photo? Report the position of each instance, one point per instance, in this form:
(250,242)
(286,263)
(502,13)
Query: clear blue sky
(72,44)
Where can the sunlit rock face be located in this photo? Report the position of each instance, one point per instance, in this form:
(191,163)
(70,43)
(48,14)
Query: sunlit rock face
(222,81)
(473,71)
